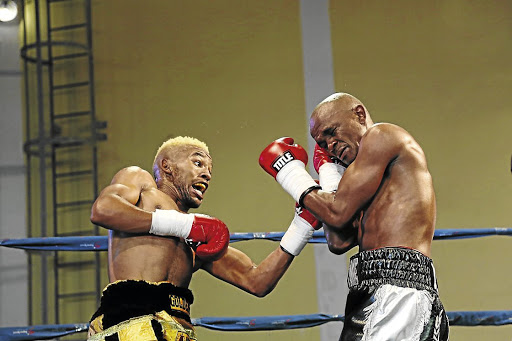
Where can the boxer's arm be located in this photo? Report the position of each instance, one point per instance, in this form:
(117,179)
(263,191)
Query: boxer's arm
(360,181)
(236,268)
(341,240)
(115,208)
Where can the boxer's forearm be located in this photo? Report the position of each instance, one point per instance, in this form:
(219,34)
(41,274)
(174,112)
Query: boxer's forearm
(236,268)
(335,213)
(267,274)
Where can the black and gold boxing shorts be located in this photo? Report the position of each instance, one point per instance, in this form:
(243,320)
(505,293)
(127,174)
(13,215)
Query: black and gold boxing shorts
(140,310)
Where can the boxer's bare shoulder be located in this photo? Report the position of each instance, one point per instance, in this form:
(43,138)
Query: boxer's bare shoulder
(135,176)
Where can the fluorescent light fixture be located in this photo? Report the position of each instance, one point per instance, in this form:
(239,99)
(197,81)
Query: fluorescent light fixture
(8,10)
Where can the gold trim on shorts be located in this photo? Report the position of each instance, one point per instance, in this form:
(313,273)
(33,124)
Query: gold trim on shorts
(141,329)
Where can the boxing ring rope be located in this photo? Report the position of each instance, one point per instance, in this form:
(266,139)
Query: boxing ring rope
(253,323)
(99,243)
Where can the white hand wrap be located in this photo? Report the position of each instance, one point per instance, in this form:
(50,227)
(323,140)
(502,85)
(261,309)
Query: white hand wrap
(329,175)
(295,180)
(171,223)
(297,236)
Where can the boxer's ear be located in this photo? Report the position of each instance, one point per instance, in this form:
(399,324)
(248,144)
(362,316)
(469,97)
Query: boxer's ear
(361,114)
(166,166)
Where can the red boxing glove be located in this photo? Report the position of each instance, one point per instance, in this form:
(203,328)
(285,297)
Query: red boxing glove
(329,169)
(279,153)
(320,157)
(286,162)
(209,236)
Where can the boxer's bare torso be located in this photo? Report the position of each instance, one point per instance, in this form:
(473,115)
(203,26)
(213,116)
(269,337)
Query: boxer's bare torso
(148,257)
(402,211)
(141,256)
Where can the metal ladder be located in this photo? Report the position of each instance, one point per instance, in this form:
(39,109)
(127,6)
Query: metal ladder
(65,145)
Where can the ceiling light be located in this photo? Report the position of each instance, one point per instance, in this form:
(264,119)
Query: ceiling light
(8,10)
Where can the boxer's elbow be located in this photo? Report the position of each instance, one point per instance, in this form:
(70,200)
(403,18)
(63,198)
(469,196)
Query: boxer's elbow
(260,286)
(259,290)
(336,249)
(339,249)
(100,212)
(339,242)
(260,294)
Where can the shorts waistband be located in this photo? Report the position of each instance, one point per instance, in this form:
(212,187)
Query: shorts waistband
(131,298)
(391,265)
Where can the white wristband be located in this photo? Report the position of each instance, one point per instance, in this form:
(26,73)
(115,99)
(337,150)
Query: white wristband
(297,236)
(329,175)
(294,178)
(171,223)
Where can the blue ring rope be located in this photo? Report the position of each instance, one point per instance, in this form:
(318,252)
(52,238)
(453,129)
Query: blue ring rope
(99,243)
(253,323)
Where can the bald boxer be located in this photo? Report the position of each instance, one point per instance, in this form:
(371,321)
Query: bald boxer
(155,246)
(384,203)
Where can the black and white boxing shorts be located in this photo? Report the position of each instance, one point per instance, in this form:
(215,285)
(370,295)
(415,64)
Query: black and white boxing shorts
(393,297)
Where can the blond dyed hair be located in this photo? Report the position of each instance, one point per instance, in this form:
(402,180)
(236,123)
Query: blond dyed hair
(181,141)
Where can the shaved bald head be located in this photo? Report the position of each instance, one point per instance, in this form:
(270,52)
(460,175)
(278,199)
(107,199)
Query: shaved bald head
(338,123)
(339,101)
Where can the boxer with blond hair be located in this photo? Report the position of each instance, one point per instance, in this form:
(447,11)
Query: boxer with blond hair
(155,246)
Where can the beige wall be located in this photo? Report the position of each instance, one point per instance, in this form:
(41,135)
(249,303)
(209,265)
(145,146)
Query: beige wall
(441,69)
